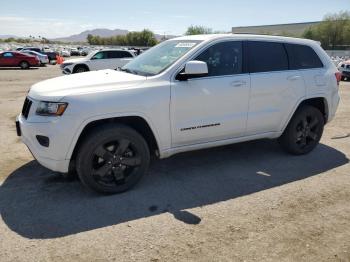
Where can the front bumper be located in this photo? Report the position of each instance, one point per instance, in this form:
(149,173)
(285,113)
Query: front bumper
(67,70)
(50,157)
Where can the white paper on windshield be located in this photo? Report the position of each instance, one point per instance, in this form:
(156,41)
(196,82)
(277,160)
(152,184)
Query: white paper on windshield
(186,44)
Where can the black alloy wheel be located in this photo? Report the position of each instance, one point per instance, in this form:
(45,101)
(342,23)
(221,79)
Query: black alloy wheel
(114,162)
(112,159)
(304,131)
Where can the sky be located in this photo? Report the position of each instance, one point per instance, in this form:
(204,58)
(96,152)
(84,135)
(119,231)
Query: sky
(66,17)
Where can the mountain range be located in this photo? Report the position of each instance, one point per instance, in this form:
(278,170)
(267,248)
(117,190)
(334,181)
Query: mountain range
(102,32)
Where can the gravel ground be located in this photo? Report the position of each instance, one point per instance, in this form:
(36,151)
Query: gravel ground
(245,202)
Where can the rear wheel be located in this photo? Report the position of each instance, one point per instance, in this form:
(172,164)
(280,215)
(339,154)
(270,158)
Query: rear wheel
(112,159)
(24,65)
(304,131)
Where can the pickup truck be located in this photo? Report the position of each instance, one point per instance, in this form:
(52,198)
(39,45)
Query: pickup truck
(184,94)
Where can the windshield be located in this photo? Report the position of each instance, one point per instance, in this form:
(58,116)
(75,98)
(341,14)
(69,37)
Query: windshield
(160,57)
(89,56)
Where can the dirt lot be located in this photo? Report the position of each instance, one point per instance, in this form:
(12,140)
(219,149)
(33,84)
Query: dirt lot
(246,202)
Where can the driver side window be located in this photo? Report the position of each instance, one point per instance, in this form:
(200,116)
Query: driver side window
(223,58)
(99,55)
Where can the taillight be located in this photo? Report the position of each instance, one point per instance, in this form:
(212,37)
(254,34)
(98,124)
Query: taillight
(338,77)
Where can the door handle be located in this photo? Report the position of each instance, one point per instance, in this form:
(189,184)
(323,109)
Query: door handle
(293,78)
(238,83)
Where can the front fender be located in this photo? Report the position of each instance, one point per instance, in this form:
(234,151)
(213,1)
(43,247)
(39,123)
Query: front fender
(91,119)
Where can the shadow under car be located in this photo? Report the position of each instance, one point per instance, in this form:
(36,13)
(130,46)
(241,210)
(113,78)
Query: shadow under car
(37,203)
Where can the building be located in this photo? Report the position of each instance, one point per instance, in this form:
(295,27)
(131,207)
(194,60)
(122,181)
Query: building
(296,29)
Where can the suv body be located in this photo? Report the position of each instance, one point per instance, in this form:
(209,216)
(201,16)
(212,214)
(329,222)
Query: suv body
(185,94)
(103,59)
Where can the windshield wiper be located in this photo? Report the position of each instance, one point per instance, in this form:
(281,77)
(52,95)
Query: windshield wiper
(126,70)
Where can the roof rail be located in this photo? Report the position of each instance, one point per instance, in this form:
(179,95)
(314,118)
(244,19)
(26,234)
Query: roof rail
(247,33)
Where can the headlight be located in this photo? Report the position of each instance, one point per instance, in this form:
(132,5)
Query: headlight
(51,108)
(67,64)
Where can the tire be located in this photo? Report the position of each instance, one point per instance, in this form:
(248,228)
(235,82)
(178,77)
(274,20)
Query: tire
(304,131)
(72,174)
(112,159)
(80,69)
(24,65)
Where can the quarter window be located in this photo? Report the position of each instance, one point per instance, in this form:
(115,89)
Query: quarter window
(223,58)
(266,57)
(302,57)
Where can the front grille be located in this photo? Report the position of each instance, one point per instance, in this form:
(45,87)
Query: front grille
(346,73)
(26,107)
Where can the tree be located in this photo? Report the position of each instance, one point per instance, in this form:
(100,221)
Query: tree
(143,38)
(333,32)
(198,30)
(90,38)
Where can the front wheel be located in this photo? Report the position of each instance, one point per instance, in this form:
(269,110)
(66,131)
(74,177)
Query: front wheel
(112,159)
(80,69)
(304,131)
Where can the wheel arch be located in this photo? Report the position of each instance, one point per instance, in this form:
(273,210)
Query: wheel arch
(319,102)
(80,65)
(136,122)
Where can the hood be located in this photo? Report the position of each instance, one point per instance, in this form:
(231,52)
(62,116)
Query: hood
(95,81)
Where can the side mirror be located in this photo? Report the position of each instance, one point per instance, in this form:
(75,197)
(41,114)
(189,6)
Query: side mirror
(193,69)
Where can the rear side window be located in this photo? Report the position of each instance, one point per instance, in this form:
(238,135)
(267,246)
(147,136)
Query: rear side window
(119,54)
(266,57)
(302,57)
(35,49)
(126,54)
(8,55)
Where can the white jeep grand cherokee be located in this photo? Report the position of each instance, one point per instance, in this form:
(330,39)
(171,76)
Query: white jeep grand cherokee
(184,94)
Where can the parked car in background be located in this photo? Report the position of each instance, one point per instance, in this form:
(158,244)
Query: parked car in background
(344,69)
(65,53)
(74,52)
(17,59)
(85,51)
(50,54)
(103,59)
(184,94)
(44,60)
